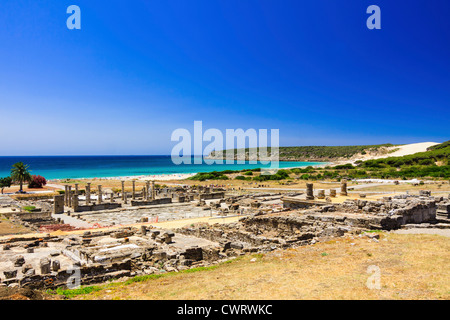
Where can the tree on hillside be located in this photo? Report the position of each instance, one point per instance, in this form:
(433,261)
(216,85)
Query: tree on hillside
(20,174)
(5,183)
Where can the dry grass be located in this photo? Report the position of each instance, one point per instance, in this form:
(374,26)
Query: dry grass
(412,267)
(9,228)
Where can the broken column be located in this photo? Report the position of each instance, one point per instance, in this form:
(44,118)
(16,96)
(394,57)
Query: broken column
(125,198)
(111,197)
(123,190)
(333,193)
(321,194)
(344,187)
(44,264)
(88,193)
(76,189)
(309,191)
(56,265)
(133,192)
(99,194)
(58,204)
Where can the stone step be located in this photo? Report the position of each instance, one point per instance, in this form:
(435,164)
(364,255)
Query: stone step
(443,214)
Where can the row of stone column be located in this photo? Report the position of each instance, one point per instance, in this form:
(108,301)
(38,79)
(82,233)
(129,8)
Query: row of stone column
(321,193)
(147,193)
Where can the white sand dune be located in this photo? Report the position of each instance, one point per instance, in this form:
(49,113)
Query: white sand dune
(400,151)
(412,148)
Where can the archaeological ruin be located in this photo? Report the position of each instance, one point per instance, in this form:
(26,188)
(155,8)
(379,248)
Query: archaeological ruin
(94,234)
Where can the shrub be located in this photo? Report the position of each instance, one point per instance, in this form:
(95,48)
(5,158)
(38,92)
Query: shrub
(37,182)
(243,178)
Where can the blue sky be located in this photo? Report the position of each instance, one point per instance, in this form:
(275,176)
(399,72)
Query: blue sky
(137,70)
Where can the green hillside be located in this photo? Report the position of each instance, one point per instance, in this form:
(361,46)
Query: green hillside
(321,153)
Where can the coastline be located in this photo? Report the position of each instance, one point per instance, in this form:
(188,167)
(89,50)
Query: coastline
(168,176)
(156,177)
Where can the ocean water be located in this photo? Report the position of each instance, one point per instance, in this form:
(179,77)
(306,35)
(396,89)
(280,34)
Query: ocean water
(73,167)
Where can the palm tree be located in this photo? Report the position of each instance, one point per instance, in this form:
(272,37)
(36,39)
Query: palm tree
(19,173)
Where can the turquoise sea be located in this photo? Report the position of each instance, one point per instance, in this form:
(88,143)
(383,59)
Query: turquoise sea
(75,167)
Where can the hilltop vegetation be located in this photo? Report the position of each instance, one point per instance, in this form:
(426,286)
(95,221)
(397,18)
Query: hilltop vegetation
(317,153)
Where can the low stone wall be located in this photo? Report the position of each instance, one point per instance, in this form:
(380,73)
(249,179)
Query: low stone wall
(99,207)
(294,203)
(209,196)
(32,215)
(137,203)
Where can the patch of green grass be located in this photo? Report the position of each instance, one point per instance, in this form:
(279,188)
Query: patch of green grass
(29,208)
(70,293)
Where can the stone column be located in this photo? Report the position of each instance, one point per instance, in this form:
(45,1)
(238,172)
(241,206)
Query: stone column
(153,190)
(344,187)
(143,193)
(88,193)
(66,194)
(147,187)
(76,189)
(309,191)
(58,204)
(75,202)
(111,198)
(123,190)
(333,193)
(69,196)
(99,194)
(133,193)
(125,198)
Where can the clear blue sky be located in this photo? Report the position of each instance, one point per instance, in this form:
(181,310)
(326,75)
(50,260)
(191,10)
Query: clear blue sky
(137,70)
